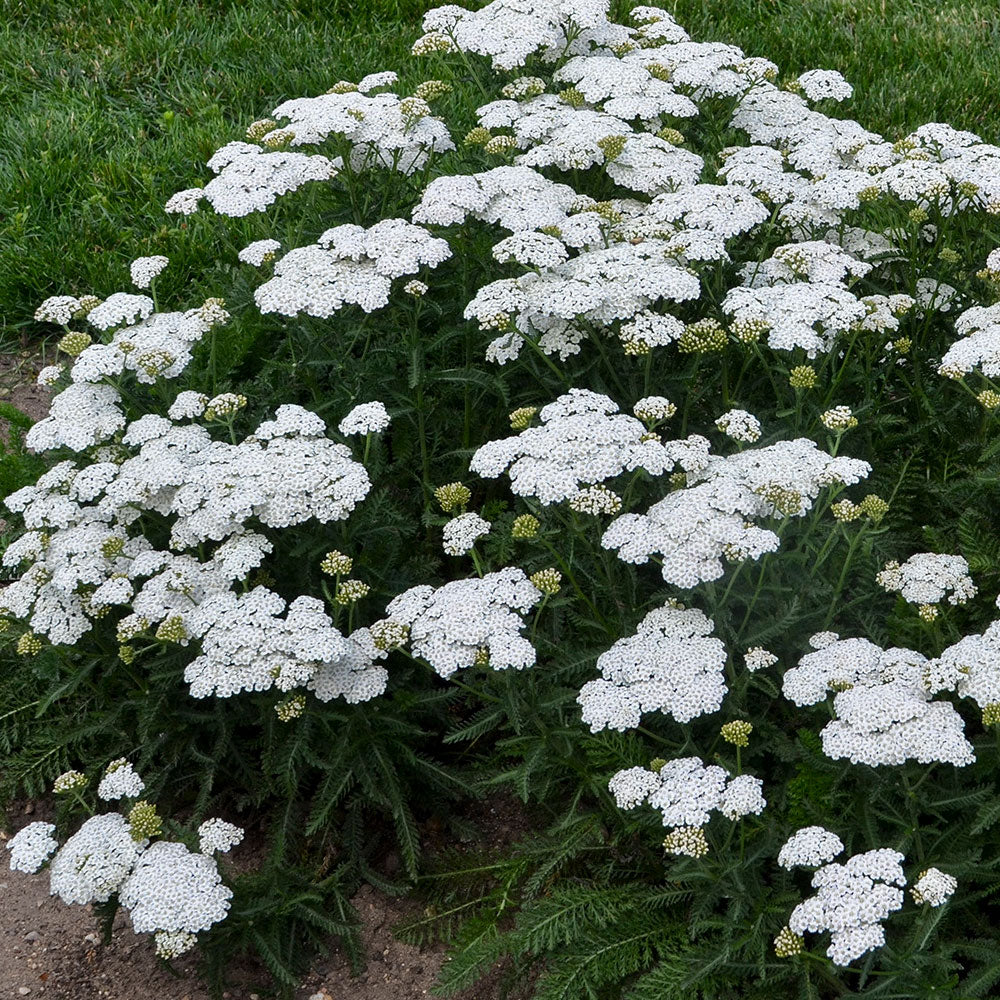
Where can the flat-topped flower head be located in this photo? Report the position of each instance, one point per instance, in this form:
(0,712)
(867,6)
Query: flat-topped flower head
(349,265)
(824,84)
(671,665)
(144,269)
(259,252)
(713,518)
(58,309)
(852,901)
(216,835)
(582,440)
(740,426)
(120,781)
(31,847)
(757,658)
(462,532)
(928,578)
(172,889)
(883,710)
(366,418)
(654,409)
(93,863)
(933,887)
(449,625)
(810,847)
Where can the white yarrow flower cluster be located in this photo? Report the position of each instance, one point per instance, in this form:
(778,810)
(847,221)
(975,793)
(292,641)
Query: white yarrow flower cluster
(852,901)
(582,440)
(686,792)
(144,269)
(365,418)
(810,847)
(695,528)
(120,781)
(757,658)
(382,130)
(928,578)
(884,713)
(824,84)
(258,252)
(216,835)
(970,667)
(461,533)
(92,865)
(978,346)
(31,847)
(170,889)
(740,426)
(509,32)
(933,887)
(469,622)
(671,665)
(349,265)
(249,179)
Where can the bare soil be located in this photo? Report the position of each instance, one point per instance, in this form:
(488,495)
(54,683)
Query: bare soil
(18,372)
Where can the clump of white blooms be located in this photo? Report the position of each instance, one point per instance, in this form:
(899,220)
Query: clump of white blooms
(884,713)
(595,500)
(695,528)
(160,527)
(810,847)
(757,658)
(740,426)
(120,309)
(824,84)
(509,32)
(461,533)
(31,847)
(365,418)
(933,887)
(249,646)
(852,901)
(288,472)
(518,199)
(349,265)
(653,409)
(218,835)
(95,861)
(120,782)
(802,314)
(686,792)
(838,419)
(582,440)
(59,309)
(250,179)
(671,665)
(978,346)
(145,269)
(469,622)
(69,781)
(259,252)
(970,667)
(172,890)
(385,132)
(928,578)
(599,286)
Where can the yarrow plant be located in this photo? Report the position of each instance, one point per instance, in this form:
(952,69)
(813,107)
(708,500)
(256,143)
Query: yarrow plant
(167,890)
(567,320)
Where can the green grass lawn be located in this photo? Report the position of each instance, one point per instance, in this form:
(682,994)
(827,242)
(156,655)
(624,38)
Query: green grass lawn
(111,106)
